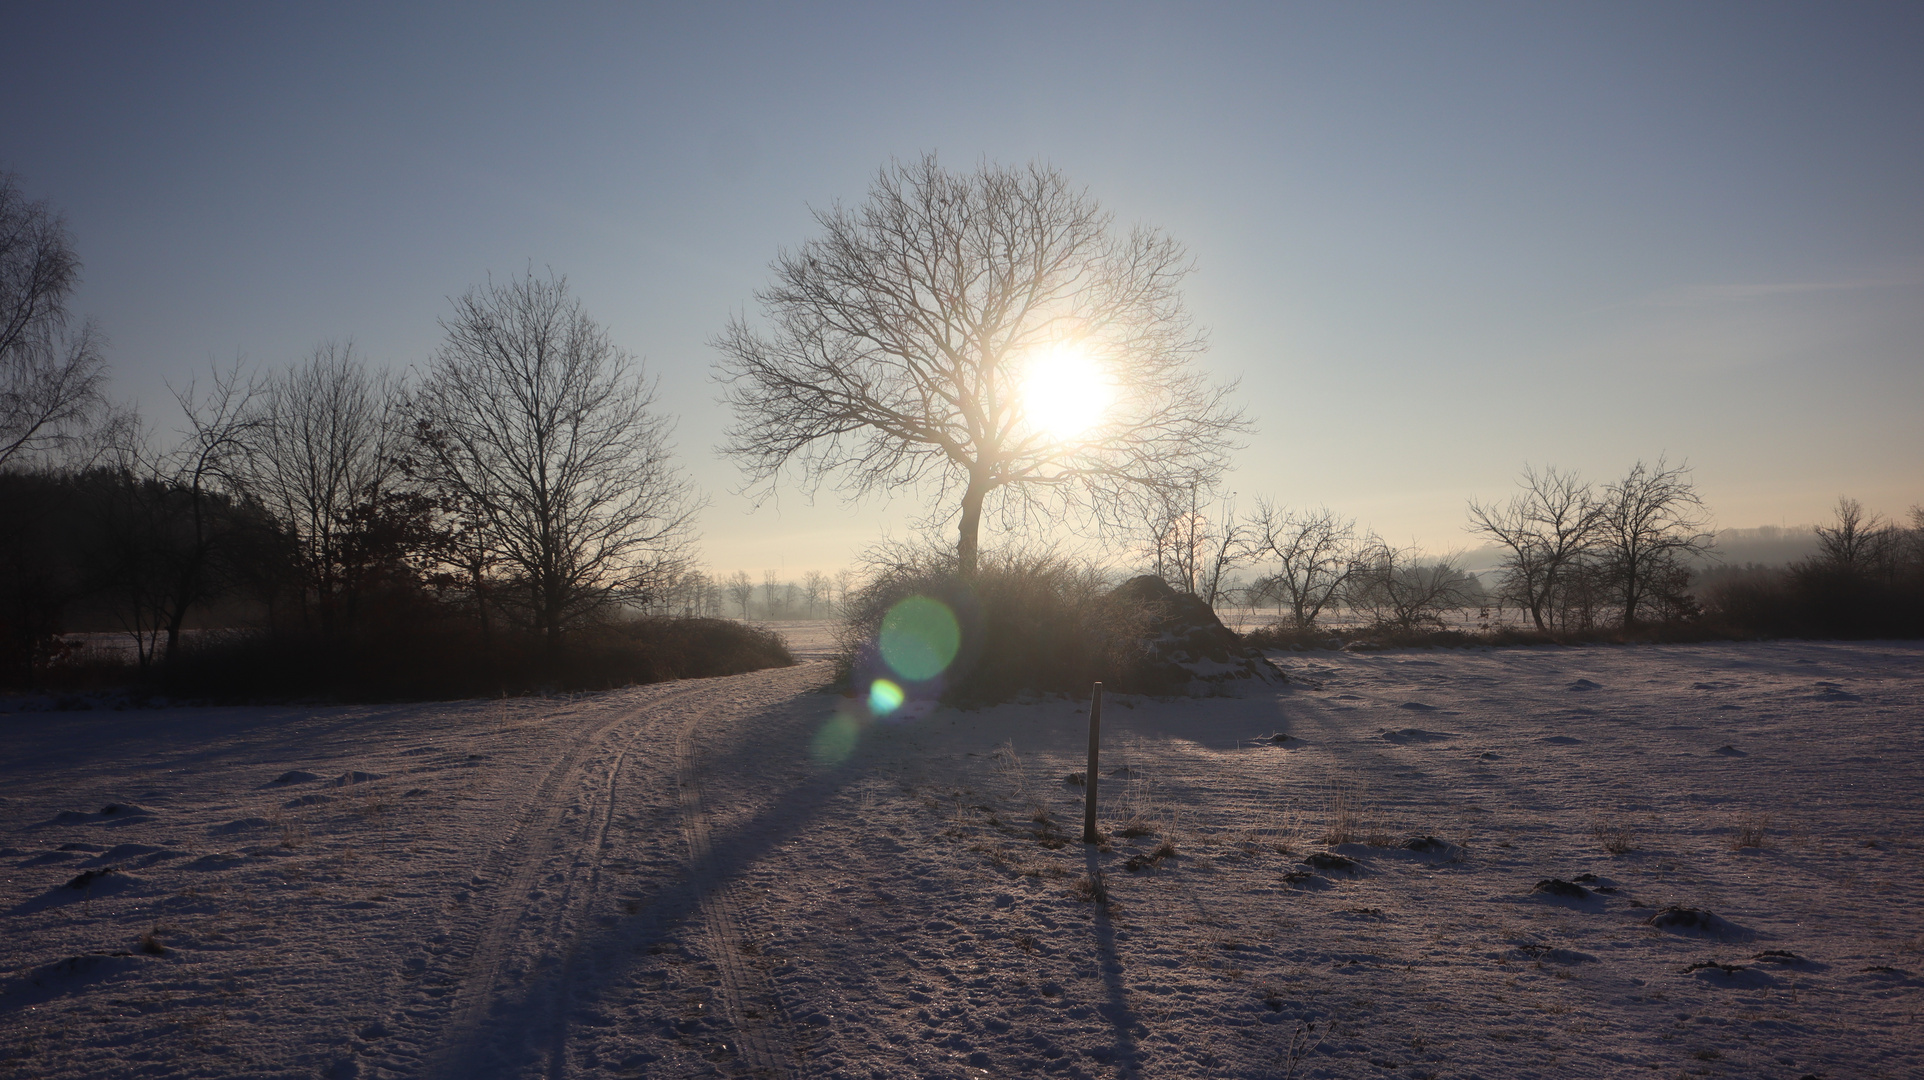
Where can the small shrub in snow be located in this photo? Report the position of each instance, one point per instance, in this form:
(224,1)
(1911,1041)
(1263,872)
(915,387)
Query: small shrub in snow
(1616,836)
(1750,833)
(1347,808)
(1091,889)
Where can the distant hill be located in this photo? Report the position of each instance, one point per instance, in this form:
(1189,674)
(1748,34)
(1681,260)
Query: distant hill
(1767,545)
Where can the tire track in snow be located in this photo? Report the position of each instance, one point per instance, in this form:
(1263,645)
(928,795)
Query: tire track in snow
(564,997)
(540,833)
(761,1030)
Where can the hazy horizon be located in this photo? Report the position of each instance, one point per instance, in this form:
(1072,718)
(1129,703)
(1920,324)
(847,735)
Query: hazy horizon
(1435,245)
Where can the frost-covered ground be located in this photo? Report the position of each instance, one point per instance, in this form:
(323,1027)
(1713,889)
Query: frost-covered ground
(733,877)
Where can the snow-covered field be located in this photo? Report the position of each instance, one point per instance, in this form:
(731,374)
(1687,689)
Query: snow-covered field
(740,877)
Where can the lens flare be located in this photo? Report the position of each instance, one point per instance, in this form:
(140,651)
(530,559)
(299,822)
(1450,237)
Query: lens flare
(836,741)
(919,639)
(884,697)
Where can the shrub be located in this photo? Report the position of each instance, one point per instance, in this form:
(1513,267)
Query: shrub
(1815,598)
(1029,623)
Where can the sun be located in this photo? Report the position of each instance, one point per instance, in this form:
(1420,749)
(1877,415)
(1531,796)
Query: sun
(1065,391)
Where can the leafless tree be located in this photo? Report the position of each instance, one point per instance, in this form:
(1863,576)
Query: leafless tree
(1195,547)
(321,457)
(168,519)
(901,339)
(772,595)
(1316,552)
(1859,541)
(815,589)
(1545,531)
(1398,592)
(538,422)
(50,370)
(1652,524)
(741,590)
(844,583)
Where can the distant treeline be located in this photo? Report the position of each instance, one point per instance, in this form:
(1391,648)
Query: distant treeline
(356,533)
(1576,561)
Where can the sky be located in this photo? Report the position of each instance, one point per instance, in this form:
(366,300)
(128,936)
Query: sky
(1435,243)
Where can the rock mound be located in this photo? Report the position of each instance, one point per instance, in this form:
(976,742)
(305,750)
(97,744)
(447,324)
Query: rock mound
(1185,648)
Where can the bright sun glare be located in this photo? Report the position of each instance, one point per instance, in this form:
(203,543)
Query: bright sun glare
(1065,391)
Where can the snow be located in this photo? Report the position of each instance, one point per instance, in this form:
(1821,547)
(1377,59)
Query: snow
(744,877)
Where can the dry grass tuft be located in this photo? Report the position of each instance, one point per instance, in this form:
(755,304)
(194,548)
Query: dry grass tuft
(1091,889)
(294,835)
(1616,835)
(1347,809)
(1750,832)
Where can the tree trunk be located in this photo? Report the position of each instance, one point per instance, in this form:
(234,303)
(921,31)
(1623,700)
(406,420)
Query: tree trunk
(969,532)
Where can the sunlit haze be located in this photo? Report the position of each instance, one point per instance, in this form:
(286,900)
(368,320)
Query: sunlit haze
(1065,391)
(1435,243)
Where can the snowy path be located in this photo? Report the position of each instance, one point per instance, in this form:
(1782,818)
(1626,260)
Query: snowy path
(722,879)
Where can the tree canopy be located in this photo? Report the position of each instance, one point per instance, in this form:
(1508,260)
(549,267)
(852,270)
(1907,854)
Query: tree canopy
(989,332)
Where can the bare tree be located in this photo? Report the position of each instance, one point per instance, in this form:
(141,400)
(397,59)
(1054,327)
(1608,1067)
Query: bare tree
(904,337)
(844,582)
(1316,552)
(1545,531)
(1398,592)
(741,589)
(320,459)
(167,521)
(534,418)
(1194,547)
(1652,524)
(815,589)
(50,370)
(1859,541)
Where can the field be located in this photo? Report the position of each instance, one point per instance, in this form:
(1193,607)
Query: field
(1338,877)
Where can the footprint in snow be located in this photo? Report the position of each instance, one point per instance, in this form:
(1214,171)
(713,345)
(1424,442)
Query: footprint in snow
(1567,894)
(1728,976)
(1410,735)
(1830,691)
(1696,921)
(247,824)
(1787,959)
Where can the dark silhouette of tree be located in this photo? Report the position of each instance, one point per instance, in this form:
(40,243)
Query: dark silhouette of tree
(1651,526)
(42,570)
(901,339)
(50,370)
(1859,541)
(1546,532)
(544,430)
(322,458)
(1397,592)
(1316,553)
(741,590)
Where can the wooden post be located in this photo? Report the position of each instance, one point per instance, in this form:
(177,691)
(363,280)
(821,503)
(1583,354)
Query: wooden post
(1089,835)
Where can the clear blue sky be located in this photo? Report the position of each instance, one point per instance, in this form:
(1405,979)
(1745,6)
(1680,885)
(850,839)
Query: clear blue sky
(1434,241)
